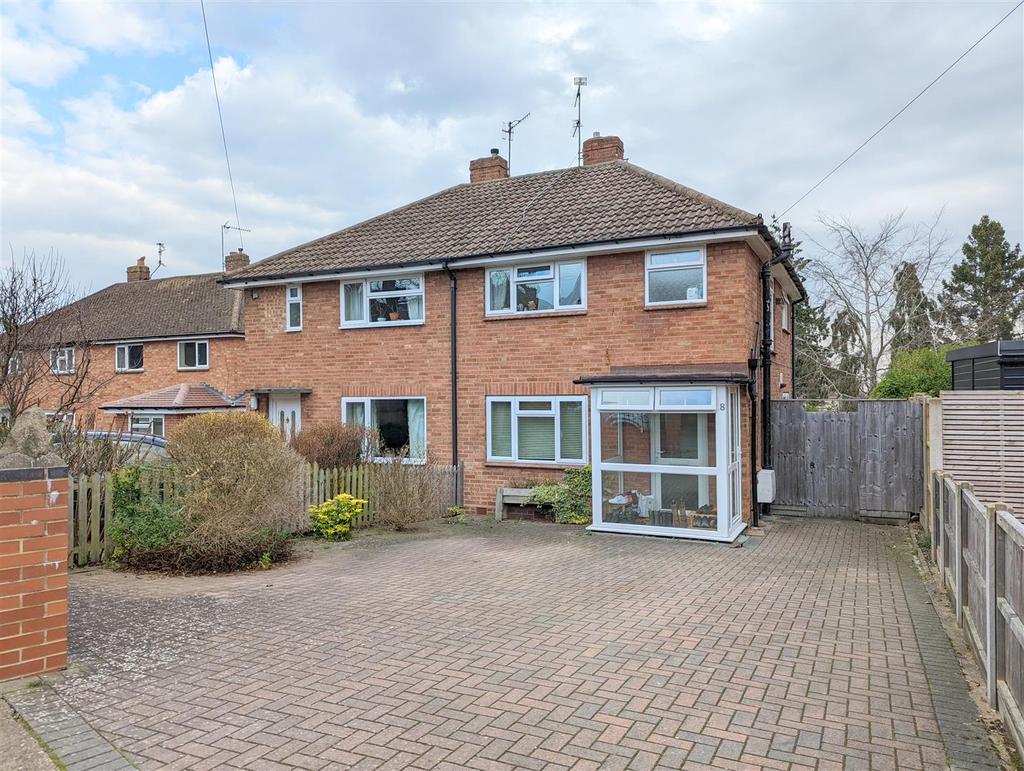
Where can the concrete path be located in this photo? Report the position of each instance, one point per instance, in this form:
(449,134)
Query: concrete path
(529,646)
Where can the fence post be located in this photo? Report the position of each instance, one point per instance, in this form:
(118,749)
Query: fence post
(941,540)
(108,517)
(999,591)
(460,485)
(958,554)
(990,604)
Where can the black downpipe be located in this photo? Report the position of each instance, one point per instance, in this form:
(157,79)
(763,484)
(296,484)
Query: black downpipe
(453,290)
(766,372)
(752,391)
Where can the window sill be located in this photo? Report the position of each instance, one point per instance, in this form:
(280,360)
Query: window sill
(674,306)
(128,371)
(534,315)
(381,324)
(538,464)
(193,369)
(297,329)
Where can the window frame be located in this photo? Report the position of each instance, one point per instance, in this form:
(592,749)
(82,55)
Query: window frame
(127,358)
(67,353)
(787,309)
(147,416)
(556,412)
(367,401)
(649,269)
(288,302)
(181,358)
(555,280)
(366,322)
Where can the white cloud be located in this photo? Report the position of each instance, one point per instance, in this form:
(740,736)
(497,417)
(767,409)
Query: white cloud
(18,113)
(38,59)
(109,26)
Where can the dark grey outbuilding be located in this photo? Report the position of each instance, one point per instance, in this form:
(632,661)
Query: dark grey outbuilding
(995,366)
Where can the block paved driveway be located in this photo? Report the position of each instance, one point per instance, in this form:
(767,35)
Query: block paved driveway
(518,645)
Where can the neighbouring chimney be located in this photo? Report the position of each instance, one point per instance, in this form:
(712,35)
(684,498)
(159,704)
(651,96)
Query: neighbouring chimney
(486,169)
(139,271)
(235,260)
(599,149)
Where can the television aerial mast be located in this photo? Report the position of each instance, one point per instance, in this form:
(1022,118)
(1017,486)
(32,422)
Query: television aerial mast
(228,226)
(512,124)
(577,130)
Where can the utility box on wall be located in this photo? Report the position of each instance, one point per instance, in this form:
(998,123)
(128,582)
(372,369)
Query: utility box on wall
(766,485)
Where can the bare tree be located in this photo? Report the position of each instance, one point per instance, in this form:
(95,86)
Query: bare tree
(858,274)
(44,341)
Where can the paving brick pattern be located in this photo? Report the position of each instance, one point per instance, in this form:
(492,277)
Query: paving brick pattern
(518,646)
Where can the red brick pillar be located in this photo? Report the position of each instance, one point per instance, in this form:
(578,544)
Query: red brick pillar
(33,571)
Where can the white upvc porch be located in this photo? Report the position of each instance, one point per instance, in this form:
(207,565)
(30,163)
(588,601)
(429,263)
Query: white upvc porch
(667,460)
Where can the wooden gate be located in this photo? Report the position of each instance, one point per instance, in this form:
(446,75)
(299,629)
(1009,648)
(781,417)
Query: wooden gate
(849,458)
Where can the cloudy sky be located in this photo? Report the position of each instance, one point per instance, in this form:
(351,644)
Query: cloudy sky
(336,112)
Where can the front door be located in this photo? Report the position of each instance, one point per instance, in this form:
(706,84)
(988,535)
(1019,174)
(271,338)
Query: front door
(680,439)
(286,414)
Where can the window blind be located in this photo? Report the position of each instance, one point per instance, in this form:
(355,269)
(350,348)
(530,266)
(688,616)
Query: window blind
(501,429)
(571,440)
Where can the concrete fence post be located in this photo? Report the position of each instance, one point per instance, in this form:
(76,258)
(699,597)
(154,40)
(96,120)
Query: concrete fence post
(958,554)
(991,608)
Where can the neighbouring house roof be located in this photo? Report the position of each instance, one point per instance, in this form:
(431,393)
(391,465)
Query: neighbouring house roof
(726,372)
(179,306)
(183,396)
(594,204)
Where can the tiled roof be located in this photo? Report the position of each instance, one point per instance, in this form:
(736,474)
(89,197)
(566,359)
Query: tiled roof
(184,396)
(579,205)
(161,307)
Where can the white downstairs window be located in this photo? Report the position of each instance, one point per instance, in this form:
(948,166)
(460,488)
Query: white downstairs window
(537,429)
(391,301)
(525,289)
(397,424)
(151,425)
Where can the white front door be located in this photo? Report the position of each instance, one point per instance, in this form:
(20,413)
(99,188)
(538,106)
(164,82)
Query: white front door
(286,413)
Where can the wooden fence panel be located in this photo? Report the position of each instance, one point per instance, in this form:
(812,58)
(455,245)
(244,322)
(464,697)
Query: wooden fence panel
(836,461)
(981,550)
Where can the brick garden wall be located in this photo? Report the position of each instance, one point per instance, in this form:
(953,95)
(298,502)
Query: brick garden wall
(33,571)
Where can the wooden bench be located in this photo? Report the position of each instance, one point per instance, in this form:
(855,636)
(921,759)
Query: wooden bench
(513,495)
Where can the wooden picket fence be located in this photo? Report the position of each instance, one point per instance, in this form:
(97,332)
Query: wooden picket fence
(90,539)
(979,551)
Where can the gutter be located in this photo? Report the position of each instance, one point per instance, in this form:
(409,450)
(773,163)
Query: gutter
(453,286)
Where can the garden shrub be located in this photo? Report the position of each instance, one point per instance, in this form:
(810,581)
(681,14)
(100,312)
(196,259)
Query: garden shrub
(237,500)
(332,520)
(406,493)
(568,500)
(332,445)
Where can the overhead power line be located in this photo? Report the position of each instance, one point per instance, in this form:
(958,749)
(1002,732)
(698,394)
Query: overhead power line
(903,109)
(223,134)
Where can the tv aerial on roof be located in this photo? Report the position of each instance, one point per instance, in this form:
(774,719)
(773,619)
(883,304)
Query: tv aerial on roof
(577,130)
(512,124)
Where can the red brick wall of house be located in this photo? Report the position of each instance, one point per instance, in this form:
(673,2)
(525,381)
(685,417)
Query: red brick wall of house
(33,571)
(160,369)
(539,355)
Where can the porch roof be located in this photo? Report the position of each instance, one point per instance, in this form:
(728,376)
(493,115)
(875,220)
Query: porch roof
(183,396)
(723,372)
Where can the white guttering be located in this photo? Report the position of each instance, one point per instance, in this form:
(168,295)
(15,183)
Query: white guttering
(751,236)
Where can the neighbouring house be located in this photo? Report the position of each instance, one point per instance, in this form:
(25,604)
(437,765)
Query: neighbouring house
(998,366)
(151,341)
(599,314)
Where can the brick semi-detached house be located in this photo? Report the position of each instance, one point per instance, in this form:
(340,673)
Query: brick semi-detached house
(159,351)
(525,325)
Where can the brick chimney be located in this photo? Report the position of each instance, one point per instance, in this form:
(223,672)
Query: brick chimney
(235,260)
(139,271)
(599,149)
(486,169)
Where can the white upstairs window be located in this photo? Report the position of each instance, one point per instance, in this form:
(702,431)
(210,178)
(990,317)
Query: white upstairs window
(293,308)
(525,289)
(193,354)
(676,278)
(62,361)
(128,358)
(394,301)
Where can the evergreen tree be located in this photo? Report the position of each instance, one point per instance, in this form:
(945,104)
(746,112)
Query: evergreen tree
(848,370)
(984,297)
(813,354)
(911,318)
